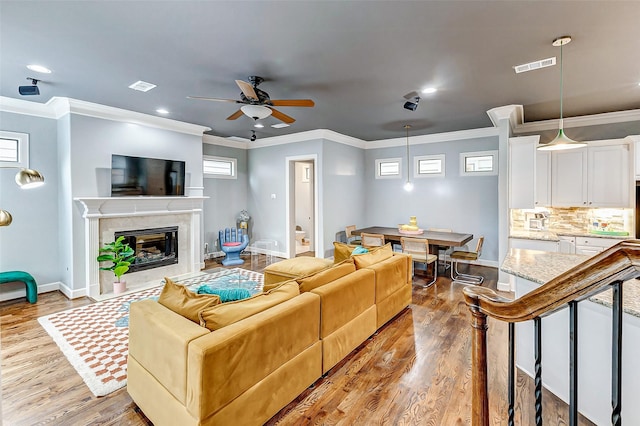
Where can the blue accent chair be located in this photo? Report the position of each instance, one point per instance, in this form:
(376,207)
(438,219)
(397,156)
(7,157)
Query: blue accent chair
(232,241)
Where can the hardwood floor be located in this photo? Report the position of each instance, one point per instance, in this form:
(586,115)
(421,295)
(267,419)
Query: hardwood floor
(414,371)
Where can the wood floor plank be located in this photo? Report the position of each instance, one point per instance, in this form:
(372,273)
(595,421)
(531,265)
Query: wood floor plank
(415,370)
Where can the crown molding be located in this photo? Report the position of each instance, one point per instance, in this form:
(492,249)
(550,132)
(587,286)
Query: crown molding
(307,136)
(57,107)
(20,106)
(228,142)
(581,121)
(514,113)
(459,135)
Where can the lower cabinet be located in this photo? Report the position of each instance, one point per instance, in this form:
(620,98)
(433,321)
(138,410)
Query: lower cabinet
(593,246)
(541,245)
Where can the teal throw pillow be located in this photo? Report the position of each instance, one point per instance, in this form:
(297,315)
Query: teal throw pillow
(226,294)
(359,250)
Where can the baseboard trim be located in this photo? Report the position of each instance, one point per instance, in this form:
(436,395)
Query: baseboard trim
(21,290)
(71,293)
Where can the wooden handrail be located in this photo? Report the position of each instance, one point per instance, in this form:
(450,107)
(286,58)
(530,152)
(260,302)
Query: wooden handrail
(618,263)
(614,265)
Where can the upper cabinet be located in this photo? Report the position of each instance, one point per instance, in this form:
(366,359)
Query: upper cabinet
(595,176)
(529,174)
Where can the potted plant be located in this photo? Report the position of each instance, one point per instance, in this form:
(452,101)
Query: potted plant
(121,255)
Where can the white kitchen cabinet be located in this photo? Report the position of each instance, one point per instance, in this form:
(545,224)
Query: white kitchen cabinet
(541,245)
(543,179)
(567,244)
(522,169)
(596,176)
(592,246)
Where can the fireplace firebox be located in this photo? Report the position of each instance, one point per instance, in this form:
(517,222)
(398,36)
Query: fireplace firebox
(152,247)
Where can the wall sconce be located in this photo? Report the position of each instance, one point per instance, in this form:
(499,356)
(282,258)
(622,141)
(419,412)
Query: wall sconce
(26,179)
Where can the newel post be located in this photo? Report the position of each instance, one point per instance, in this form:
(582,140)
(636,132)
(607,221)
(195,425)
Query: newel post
(480,399)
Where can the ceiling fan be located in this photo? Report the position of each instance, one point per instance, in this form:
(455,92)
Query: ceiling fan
(257,103)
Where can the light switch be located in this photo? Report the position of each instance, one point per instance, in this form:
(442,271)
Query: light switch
(273,196)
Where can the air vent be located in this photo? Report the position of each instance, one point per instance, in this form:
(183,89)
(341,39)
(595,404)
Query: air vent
(543,63)
(142,86)
(280,125)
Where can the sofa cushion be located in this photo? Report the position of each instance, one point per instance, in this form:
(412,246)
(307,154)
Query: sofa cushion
(184,302)
(374,256)
(293,268)
(221,315)
(325,276)
(342,251)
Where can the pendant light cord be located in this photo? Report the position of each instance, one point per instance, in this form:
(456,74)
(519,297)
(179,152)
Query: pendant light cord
(561,85)
(407,127)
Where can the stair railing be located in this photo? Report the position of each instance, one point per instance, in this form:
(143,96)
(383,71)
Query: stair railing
(605,270)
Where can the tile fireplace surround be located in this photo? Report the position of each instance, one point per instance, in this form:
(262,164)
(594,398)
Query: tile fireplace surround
(103,216)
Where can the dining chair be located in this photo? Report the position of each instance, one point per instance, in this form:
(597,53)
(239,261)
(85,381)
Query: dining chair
(443,251)
(458,255)
(372,240)
(352,239)
(418,248)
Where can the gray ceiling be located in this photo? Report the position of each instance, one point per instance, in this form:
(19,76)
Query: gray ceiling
(356,60)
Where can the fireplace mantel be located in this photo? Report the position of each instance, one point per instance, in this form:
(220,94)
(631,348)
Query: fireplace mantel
(100,208)
(137,206)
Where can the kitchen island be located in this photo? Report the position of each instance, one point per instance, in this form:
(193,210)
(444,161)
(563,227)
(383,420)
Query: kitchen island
(534,268)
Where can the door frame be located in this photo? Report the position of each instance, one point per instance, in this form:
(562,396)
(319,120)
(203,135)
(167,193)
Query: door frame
(290,204)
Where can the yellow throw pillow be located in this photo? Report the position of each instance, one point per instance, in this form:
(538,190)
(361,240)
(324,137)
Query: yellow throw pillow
(374,256)
(326,276)
(216,317)
(184,302)
(342,251)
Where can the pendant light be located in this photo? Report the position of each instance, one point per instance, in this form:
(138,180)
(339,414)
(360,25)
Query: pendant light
(561,141)
(26,179)
(408,186)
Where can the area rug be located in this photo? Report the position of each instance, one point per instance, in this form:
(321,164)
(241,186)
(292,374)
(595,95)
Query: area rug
(95,337)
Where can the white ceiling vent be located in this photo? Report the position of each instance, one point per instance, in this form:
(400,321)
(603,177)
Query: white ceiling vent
(142,86)
(543,63)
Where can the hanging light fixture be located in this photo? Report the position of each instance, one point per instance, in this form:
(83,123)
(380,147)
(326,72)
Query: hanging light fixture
(26,179)
(561,141)
(408,186)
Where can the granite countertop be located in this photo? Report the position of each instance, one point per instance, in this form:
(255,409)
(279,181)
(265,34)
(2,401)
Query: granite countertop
(541,267)
(552,235)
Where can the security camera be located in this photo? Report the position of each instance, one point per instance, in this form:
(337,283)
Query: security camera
(412,106)
(253,136)
(29,90)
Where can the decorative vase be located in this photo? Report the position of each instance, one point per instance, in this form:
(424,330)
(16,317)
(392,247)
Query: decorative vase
(119,286)
(413,221)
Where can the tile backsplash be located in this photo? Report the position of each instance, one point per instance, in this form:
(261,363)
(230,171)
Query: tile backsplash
(575,219)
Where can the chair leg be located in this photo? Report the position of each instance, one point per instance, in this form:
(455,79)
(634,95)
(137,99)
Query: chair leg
(464,278)
(435,274)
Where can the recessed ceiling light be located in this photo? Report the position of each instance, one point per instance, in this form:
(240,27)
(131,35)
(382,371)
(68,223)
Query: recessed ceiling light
(258,125)
(428,90)
(142,86)
(39,68)
(280,125)
(162,111)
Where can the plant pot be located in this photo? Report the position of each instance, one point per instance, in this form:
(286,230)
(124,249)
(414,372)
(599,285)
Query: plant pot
(119,287)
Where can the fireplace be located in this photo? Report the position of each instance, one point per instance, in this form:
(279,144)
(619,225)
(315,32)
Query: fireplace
(152,247)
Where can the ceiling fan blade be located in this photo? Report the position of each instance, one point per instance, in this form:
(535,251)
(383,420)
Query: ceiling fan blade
(235,115)
(202,98)
(247,89)
(293,102)
(282,117)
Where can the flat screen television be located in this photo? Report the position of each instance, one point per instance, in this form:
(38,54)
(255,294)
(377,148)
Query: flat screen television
(135,176)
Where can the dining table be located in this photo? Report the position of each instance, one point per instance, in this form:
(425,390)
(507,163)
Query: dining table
(436,238)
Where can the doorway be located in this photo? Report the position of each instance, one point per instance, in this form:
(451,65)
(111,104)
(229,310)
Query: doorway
(302,227)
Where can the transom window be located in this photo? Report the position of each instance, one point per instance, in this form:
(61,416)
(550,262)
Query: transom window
(14,149)
(481,163)
(219,167)
(388,168)
(429,166)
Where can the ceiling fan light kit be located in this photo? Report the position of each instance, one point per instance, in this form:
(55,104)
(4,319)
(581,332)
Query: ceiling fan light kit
(257,103)
(257,112)
(561,141)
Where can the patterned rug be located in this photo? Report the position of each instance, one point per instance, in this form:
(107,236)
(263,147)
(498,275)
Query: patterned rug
(95,338)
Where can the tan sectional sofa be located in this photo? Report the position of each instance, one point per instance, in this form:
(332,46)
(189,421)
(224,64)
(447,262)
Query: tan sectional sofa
(244,373)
